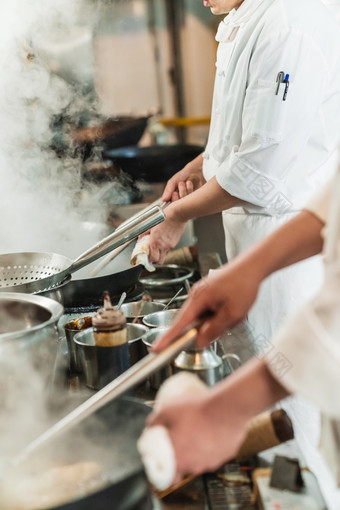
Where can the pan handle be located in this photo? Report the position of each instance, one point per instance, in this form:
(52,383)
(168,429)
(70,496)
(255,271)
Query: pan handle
(125,382)
(130,231)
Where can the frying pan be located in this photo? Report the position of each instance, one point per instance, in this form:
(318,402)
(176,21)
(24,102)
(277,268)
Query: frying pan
(113,132)
(155,163)
(126,475)
(93,131)
(36,272)
(108,438)
(88,292)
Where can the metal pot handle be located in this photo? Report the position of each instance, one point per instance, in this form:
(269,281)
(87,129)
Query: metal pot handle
(227,366)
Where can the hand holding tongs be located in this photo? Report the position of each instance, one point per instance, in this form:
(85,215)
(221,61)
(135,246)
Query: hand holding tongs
(114,253)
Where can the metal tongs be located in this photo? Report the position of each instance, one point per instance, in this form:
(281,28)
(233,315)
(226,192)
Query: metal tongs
(114,253)
(125,382)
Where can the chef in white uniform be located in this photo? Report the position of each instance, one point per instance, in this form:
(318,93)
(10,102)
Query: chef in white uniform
(275,125)
(207,430)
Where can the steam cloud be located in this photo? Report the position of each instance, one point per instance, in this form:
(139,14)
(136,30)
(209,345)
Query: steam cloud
(38,190)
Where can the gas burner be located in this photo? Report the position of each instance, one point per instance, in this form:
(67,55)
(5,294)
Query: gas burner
(229,488)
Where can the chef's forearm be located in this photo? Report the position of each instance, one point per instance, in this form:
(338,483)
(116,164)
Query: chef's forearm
(296,240)
(209,199)
(248,392)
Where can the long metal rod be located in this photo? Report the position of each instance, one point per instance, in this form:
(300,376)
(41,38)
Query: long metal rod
(125,382)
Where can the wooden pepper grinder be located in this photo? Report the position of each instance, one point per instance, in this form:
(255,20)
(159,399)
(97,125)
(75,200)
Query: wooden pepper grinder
(109,325)
(265,431)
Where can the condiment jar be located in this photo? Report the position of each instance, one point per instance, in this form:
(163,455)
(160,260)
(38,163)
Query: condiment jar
(109,325)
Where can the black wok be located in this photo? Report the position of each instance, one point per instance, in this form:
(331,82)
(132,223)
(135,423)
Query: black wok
(87,293)
(93,131)
(156,163)
(108,438)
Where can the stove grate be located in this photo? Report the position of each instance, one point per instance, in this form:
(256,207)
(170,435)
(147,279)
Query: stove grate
(222,496)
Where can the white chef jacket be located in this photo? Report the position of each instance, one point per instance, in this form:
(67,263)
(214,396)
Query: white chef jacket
(305,357)
(334,7)
(272,153)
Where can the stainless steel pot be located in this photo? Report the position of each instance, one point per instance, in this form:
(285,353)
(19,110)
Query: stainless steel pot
(28,349)
(140,309)
(162,319)
(72,328)
(101,365)
(165,276)
(137,348)
(28,327)
(157,378)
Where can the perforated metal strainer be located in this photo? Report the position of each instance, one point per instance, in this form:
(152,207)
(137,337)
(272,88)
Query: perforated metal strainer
(33,272)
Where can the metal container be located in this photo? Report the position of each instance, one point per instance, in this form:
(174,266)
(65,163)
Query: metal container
(28,346)
(140,309)
(137,348)
(157,378)
(161,319)
(206,364)
(71,329)
(165,276)
(101,365)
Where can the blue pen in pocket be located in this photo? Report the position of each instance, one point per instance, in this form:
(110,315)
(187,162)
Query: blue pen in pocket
(286,81)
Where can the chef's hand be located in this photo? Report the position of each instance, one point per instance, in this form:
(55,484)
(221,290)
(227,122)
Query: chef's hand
(228,293)
(163,238)
(203,437)
(208,428)
(185,181)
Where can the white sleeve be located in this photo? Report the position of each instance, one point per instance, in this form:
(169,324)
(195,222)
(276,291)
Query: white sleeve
(305,357)
(273,130)
(319,203)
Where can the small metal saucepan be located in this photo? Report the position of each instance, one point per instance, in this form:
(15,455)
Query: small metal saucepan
(157,378)
(101,365)
(140,309)
(166,276)
(162,319)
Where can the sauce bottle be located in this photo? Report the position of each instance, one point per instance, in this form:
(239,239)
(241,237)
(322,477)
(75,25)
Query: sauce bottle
(109,325)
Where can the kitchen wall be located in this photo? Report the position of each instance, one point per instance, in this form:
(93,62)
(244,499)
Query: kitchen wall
(133,58)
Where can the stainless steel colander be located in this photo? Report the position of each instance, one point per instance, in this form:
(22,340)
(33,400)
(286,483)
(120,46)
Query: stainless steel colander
(32,272)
